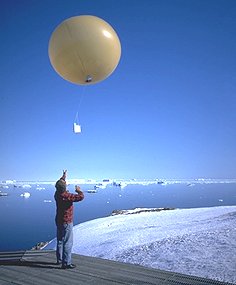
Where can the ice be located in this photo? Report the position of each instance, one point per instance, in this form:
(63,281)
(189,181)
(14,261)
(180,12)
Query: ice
(25,186)
(25,195)
(200,242)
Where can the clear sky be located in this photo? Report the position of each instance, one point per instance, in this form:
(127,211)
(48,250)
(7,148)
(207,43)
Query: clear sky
(167,111)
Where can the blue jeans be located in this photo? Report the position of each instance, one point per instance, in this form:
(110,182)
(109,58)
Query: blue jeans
(64,243)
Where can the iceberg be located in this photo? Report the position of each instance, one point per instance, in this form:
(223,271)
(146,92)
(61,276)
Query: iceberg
(200,241)
(25,195)
(25,186)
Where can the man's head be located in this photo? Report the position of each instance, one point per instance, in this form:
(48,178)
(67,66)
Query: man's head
(61,185)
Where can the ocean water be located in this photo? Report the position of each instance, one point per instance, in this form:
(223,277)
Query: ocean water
(27,221)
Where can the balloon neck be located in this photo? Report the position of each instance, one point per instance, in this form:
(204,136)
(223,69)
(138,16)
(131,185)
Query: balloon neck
(89,79)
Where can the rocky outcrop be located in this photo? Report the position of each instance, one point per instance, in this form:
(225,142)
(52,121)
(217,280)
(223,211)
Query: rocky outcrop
(138,211)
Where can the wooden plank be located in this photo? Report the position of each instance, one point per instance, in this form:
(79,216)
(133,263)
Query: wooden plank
(18,255)
(11,255)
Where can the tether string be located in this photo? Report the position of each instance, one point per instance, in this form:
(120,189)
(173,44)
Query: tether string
(79,104)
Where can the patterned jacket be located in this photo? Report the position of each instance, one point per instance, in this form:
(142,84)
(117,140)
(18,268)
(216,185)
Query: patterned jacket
(64,203)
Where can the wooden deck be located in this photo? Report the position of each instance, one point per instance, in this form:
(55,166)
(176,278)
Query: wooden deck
(39,268)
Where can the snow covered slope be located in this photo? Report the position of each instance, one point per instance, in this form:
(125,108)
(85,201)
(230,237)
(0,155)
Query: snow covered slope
(199,241)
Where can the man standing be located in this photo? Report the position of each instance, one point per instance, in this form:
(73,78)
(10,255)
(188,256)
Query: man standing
(64,220)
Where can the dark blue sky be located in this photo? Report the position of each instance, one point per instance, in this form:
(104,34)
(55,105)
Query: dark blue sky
(167,111)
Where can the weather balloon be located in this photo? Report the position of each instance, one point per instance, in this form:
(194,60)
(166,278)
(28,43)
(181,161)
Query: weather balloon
(84,49)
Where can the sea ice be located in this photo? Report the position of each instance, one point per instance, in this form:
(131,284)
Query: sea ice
(25,195)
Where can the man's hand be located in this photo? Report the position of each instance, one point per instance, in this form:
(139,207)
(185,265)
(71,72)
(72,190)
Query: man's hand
(77,189)
(64,174)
